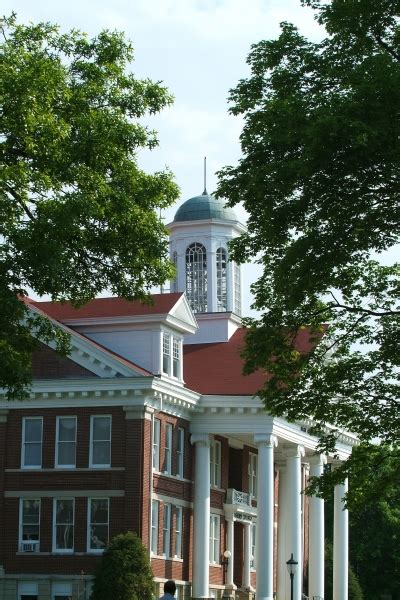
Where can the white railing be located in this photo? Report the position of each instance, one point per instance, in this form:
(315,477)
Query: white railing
(238,498)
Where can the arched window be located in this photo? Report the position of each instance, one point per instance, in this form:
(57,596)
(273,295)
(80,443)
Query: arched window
(237,292)
(221,280)
(174,283)
(196,277)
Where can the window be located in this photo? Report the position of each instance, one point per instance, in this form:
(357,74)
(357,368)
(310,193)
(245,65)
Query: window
(237,299)
(66,442)
(100,444)
(32,428)
(180,452)
(63,525)
(29,524)
(221,280)
(215,463)
(168,449)
(196,277)
(156,444)
(253,545)
(253,474)
(98,524)
(61,591)
(176,357)
(174,283)
(166,351)
(214,540)
(154,527)
(27,590)
(167,530)
(178,532)
(171,368)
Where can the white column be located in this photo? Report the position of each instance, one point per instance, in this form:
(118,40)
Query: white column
(293,515)
(265,516)
(340,544)
(316,531)
(283,578)
(201,516)
(247,557)
(230,546)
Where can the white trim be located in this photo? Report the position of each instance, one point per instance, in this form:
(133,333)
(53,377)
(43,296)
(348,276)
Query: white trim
(180,453)
(56,550)
(154,526)
(70,493)
(215,537)
(23,443)
(156,434)
(61,589)
(167,517)
(56,464)
(28,588)
(169,432)
(89,523)
(178,532)
(93,465)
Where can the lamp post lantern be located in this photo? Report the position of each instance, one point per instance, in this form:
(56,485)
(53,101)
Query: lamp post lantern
(292,568)
(225,560)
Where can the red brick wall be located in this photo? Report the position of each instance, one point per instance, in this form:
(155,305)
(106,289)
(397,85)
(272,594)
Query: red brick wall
(48,364)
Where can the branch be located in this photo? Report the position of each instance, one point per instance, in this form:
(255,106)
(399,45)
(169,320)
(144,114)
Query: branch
(388,48)
(20,201)
(364,311)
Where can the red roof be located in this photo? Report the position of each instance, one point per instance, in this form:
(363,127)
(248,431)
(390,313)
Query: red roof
(218,368)
(108,307)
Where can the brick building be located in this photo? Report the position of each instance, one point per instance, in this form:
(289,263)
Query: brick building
(149,426)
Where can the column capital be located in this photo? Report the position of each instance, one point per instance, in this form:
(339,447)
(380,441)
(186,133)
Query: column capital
(202,439)
(317,459)
(294,451)
(266,440)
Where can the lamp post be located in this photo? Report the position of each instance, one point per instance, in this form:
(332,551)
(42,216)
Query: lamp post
(292,568)
(225,561)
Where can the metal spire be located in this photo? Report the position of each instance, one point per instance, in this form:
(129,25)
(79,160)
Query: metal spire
(205,193)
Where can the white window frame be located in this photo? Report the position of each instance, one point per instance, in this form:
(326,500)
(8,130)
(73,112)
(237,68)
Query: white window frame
(169,429)
(176,357)
(93,465)
(89,525)
(215,463)
(58,442)
(63,550)
(156,444)
(171,351)
(180,453)
(61,590)
(21,523)
(155,509)
(24,443)
(167,530)
(215,539)
(253,474)
(166,353)
(178,532)
(28,589)
(253,534)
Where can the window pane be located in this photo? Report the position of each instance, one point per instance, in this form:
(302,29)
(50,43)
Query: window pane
(100,511)
(31,509)
(66,453)
(101,453)
(33,455)
(98,523)
(33,430)
(66,429)
(64,524)
(101,428)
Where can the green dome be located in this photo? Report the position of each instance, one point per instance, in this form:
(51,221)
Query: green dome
(204,207)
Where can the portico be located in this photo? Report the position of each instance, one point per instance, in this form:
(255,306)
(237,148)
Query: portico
(285,452)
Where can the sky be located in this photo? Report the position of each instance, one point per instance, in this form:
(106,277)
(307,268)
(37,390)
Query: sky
(198,49)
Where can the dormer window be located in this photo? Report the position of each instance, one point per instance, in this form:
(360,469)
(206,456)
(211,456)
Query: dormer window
(196,277)
(171,355)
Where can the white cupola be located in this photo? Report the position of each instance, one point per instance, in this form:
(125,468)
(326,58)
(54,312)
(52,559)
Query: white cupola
(199,237)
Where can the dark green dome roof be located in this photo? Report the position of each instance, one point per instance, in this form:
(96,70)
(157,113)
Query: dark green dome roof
(204,207)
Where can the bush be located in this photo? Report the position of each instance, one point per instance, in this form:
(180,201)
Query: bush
(124,572)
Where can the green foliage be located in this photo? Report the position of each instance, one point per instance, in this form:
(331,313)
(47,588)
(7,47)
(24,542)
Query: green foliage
(320,179)
(124,571)
(77,214)
(354,588)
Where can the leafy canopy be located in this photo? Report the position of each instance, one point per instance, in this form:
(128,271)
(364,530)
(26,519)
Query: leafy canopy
(124,571)
(77,214)
(319,178)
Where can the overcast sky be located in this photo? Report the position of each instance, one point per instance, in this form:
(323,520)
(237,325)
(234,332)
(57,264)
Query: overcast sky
(198,49)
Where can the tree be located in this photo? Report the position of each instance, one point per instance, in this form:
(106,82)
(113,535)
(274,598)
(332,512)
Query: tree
(354,588)
(77,214)
(320,179)
(124,571)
